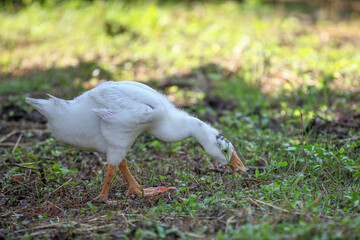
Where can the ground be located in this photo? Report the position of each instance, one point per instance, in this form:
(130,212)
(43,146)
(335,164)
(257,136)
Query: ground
(281,84)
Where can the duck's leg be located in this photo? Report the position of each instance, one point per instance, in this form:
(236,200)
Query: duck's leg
(110,172)
(134,186)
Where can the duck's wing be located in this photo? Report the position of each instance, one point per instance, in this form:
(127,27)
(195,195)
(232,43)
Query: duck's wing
(127,104)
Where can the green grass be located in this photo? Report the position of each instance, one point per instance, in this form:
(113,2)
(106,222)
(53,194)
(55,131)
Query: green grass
(263,65)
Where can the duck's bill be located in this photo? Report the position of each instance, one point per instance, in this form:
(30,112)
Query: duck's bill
(235,163)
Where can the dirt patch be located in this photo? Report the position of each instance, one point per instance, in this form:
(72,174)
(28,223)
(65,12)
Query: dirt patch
(339,128)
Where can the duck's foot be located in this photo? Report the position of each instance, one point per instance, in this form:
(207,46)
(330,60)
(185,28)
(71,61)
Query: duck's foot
(134,186)
(148,192)
(102,197)
(104,194)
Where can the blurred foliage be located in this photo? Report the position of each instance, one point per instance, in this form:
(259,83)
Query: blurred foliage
(303,5)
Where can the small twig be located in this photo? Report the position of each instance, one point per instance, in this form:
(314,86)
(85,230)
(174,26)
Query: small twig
(9,144)
(256,167)
(317,200)
(16,144)
(8,135)
(269,205)
(17,210)
(55,206)
(349,139)
(41,232)
(54,225)
(350,125)
(21,166)
(198,184)
(42,173)
(90,228)
(13,132)
(126,220)
(18,186)
(58,189)
(222,171)
(302,141)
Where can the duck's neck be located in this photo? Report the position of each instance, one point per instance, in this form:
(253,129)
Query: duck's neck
(203,132)
(180,125)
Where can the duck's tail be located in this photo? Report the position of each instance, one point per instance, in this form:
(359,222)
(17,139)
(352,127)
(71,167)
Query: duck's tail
(44,106)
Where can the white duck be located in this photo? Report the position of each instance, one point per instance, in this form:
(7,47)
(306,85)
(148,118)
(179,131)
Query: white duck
(111,116)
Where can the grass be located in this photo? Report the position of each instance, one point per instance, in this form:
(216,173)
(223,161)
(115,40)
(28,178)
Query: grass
(250,70)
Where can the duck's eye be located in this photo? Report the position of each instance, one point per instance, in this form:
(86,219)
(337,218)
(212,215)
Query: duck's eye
(225,151)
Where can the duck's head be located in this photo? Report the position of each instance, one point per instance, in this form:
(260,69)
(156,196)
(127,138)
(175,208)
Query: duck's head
(224,153)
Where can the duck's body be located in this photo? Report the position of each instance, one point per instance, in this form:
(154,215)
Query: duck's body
(111,116)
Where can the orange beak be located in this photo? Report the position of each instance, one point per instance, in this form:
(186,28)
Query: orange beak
(235,162)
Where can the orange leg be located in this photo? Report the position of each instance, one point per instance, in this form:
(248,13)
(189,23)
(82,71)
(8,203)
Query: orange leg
(134,186)
(110,172)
